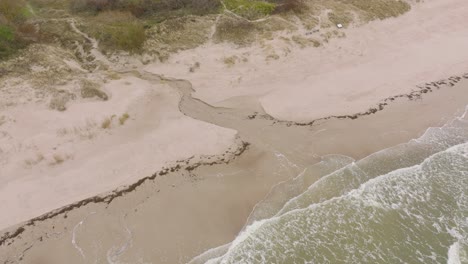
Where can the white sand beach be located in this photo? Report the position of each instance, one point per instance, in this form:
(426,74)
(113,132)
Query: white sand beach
(347,75)
(50,159)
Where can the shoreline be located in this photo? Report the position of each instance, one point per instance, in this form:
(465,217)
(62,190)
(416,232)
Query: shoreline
(347,75)
(186,164)
(108,197)
(428,100)
(160,168)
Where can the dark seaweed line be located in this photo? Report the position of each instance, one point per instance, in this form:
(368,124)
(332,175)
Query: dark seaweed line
(423,89)
(108,198)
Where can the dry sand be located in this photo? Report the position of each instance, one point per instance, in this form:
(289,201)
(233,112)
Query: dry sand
(50,159)
(347,75)
(175,217)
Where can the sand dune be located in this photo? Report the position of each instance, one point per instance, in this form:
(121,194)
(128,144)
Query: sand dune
(347,75)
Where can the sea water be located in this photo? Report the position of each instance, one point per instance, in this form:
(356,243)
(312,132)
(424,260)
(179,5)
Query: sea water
(405,204)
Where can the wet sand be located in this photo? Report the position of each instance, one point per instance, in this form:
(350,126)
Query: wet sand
(346,75)
(230,152)
(180,214)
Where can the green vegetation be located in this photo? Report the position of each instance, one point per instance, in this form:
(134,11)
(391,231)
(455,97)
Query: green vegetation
(177,34)
(290,6)
(91,90)
(60,99)
(250,9)
(305,42)
(148,8)
(381,9)
(15,33)
(242,32)
(230,61)
(6,33)
(123,118)
(117,30)
(14,11)
(161,27)
(237,31)
(344,18)
(107,122)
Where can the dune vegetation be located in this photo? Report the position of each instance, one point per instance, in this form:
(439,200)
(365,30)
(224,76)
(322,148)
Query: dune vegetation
(165,26)
(15,32)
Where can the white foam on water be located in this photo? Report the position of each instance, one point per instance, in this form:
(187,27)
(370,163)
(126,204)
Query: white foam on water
(454,254)
(363,195)
(354,195)
(270,192)
(211,255)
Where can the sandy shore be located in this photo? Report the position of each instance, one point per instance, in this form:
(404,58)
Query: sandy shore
(347,75)
(50,159)
(179,215)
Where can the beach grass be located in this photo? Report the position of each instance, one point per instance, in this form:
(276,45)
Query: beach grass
(123,118)
(118,30)
(250,9)
(161,28)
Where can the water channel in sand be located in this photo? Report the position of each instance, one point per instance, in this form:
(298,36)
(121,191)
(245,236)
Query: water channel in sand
(173,217)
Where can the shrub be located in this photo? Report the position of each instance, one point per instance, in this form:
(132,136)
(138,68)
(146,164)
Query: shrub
(250,9)
(136,7)
(7,37)
(11,40)
(237,31)
(14,11)
(381,9)
(296,6)
(89,5)
(91,90)
(146,7)
(120,30)
(123,118)
(14,32)
(107,122)
(6,33)
(204,6)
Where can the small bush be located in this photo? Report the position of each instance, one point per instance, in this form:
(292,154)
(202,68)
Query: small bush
(344,18)
(14,11)
(119,31)
(123,118)
(6,33)
(204,6)
(58,159)
(381,9)
(107,122)
(91,90)
(60,99)
(230,61)
(296,6)
(146,7)
(89,5)
(237,31)
(13,30)
(250,9)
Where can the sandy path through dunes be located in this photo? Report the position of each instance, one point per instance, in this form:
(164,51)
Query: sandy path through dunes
(347,75)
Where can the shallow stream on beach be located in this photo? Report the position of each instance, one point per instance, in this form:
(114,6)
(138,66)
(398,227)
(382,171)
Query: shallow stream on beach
(340,190)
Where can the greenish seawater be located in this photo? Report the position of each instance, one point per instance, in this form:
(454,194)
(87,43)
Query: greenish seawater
(405,204)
